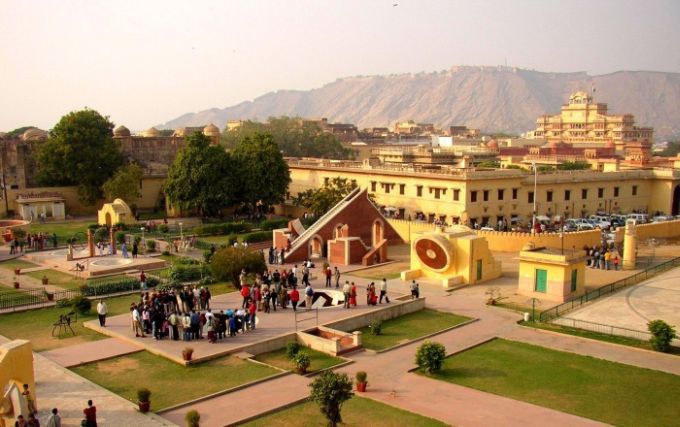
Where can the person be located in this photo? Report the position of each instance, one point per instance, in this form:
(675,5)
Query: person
(90,415)
(30,402)
(383,291)
(137,322)
(353,295)
(242,277)
(309,295)
(245,293)
(142,280)
(20,422)
(372,296)
(135,249)
(54,419)
(607,260)
(415,290)
(336,273)
(328,274)
(123,249)
(616,262)
(347,291)
(102,310)
(252,310)
(33,421)
(294,298)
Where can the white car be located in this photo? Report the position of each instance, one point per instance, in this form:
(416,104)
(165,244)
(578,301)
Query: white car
(662,218)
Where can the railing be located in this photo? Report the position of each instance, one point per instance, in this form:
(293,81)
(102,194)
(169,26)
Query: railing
(602,328)
(559,310)
(23,298)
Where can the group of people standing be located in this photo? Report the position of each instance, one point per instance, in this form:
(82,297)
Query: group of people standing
(602,257)
(36,242)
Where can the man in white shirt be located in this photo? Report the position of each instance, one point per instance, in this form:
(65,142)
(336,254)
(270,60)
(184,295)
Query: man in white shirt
(346,290)
(383,291)
(309,294)
(137,322)
(102,310)
(54,419)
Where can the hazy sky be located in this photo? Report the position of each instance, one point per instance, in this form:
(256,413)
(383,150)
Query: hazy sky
(145,62)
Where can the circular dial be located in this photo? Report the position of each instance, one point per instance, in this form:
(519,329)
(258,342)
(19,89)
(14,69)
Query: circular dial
(433,253)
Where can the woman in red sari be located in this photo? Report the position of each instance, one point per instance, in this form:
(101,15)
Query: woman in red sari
(353,296)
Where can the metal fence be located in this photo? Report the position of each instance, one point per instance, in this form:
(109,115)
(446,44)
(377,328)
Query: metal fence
(643,275)
(20,299)
(602,328)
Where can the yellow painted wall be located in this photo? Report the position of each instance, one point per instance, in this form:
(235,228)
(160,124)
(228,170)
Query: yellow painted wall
(16,366)
(666,229)
(514,242)
(559,270)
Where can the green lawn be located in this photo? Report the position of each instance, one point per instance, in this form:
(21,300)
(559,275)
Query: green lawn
(376,276)
(170,383)
(319,360)
(217,240)
(64,230)
(57,278)
(593,388)
(357,411)
(409,327)
(17,263)
(36,325)
(10,296)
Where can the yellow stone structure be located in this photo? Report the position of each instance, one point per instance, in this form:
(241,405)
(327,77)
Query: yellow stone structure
(583,121)
(16,369)
(630,245)
(454,256)
(115,212)
(551,274)
(482,196)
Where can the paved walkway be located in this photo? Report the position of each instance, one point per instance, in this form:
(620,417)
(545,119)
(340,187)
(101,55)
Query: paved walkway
(91,351)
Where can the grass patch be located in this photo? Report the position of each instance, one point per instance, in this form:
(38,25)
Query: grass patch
(10,297)
(217,240)
(593,388)
(357,411)
(170,383)
(615,339)
(57,278)
(372,275)
(409,327)
(319,360)
(15,263)
(219,288)
(36,325)
(63,230)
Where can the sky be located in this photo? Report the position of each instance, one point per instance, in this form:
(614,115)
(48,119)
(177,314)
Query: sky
(146,62)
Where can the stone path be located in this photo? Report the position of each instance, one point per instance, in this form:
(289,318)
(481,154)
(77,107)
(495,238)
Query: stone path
(92,351)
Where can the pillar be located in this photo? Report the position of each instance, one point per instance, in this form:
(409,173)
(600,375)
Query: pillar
(90,242)
(112,241)
(630,246)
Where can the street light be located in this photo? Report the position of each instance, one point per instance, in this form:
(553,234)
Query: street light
(143,241)
(181,235)
(533,220)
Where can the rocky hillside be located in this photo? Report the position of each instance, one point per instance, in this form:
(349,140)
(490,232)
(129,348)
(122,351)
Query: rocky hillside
(494,99)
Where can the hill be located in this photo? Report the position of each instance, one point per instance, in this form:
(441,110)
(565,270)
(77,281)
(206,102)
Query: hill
(494,99)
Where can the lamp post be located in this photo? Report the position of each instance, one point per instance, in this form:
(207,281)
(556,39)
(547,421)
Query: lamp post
(181,234)
(533,219)
(143,241)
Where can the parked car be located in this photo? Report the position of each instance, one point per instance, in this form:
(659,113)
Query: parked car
(662,218)
(639,218)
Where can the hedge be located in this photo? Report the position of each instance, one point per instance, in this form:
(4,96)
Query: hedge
(187,273)
(221,229)
(121,285)
(273,224)
(258,236)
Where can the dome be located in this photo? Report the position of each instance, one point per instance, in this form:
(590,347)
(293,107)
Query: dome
(34,134)
(211,130)
(181,132)
(149,133)
(121,131)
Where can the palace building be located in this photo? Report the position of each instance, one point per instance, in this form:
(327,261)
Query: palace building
(583,122)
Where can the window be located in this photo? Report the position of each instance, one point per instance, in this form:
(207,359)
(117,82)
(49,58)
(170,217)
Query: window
(548,196)
(456,194)
(635,190)
(387,187)
(473,196)
(437,192)
(325,180)
(501,194)
(600,193)
(567,195)
(531,197)
(514,194)
(541,284)
(402,187)
(354,183)
(616,191)
(419,190)
(584,193)
(574,275)
(486,195)
(373,185)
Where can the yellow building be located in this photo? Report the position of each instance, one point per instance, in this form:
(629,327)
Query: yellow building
(484,196)
(552,275)
(583,121)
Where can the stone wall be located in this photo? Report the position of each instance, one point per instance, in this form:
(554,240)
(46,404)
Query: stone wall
(390,311)
(666,229)
(514,242)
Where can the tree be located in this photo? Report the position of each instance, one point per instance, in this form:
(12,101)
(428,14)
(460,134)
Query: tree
(573,166)
(662,335)
(124,184)
(320,200)
(330,390)
(201,177)
(227,263)
(80,151)
(489,164)
(430,356)
(262,172)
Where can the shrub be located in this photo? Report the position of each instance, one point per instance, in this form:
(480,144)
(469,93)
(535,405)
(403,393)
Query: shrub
(292,349)
(120,237)
(122,285)
(120,226)
(257,236)
(330,390)
(81,304)
(93,227)
(207,255)
(163,228)
(192,418)
(302,362)
(224,228)
(151,245)
(63,303)
(165,253)
(19,233)
(361,377)
(185,260)
(138,239)
(188,273)
(143,394)
(376,327)
(662,335)
(227,263)
(430,356)
(273,224)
